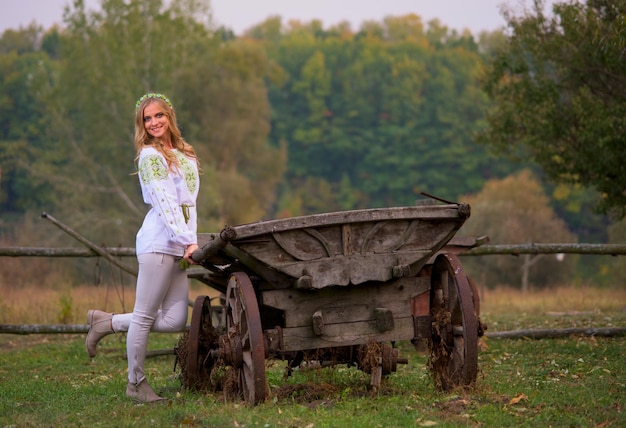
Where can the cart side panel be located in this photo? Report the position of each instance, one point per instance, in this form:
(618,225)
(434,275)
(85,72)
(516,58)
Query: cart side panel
(356,333)
(338,316)
(352,253)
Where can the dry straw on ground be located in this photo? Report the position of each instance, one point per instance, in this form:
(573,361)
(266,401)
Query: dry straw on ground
(43,305)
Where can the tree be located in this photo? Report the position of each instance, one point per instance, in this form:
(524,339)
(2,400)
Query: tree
(559,93)
(515,210)
(107,59)
(21,41)
(23,72)
(228,111)
(379,115)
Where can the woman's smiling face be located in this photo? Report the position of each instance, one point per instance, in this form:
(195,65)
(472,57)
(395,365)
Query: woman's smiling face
(156,121)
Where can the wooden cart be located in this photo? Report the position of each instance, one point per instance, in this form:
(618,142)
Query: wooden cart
(337,287)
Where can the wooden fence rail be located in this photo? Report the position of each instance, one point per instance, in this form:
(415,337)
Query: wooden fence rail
(608,249)
(26,329)
(484,250)
(64,252)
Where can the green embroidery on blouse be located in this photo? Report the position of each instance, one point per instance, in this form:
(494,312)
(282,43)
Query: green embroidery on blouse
(188,171)
(152,168)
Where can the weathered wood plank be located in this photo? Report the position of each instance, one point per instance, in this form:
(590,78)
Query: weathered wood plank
(484,250)
(346,304)
(346,334)
(612,249)
(434,212)
(44,328)
(63,252)
(342,248)
(551,333)
(354,269)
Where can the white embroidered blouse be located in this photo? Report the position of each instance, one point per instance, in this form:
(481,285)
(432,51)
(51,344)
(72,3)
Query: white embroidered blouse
(171,223)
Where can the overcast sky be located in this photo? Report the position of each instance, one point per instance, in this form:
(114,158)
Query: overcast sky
(475,15)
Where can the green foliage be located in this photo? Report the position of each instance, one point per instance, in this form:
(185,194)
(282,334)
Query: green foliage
(227,109)
(21,41)
(576,205)
(559,91)
(22,122)
(390,110)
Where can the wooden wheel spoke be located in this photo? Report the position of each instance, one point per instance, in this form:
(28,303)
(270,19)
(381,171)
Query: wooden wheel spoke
(235,313)
(456,313)
(247,369)
(245,341)
(445,289)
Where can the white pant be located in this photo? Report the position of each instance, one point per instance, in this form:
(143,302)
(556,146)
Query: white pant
(161,305)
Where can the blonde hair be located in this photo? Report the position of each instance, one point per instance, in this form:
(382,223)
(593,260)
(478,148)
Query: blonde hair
(143,139)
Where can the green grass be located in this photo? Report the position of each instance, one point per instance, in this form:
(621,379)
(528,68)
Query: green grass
(579,381)
(48,381)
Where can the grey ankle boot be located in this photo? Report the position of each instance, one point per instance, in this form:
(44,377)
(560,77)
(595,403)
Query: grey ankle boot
(142,392)
(100,325)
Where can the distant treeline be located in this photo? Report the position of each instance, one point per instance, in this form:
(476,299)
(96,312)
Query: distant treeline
(288,119)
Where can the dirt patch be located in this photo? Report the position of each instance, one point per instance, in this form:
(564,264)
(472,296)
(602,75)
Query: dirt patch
(455,405)
(305,392)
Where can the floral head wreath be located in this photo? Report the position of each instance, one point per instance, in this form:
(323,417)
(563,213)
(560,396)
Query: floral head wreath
(152,95)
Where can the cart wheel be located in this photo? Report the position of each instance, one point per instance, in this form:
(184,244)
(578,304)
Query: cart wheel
(245,334)
(454,342)
(202,338)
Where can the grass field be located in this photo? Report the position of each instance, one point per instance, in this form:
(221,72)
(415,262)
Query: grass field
(578,381)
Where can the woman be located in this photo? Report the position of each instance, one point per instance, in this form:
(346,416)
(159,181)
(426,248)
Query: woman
(169,178)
